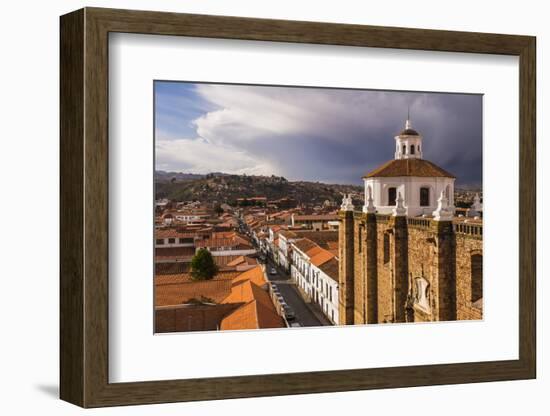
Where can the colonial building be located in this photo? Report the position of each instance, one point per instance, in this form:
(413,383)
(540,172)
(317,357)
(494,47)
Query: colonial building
(286,238)
(405,257)
(419,181)
(315,271)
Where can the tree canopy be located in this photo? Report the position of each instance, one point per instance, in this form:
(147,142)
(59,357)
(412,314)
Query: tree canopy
(203,266)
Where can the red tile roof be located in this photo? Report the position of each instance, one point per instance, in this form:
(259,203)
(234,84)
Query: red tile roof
(174,253)
(257,312)
(255,275)
(254,306)
(326,217)
(173,232)
(325,239)
(330,268)
(252,315)
(409,167)
(225,239)
(304,245)
(288,234)
(183,292)
(242,260)
(185,277)
(321,257)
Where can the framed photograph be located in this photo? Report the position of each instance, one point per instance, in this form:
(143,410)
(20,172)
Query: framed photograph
(341,207)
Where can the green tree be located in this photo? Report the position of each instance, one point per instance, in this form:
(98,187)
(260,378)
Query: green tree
(203,266)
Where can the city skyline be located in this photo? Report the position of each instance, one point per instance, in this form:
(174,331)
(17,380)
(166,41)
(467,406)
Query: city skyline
(309,134)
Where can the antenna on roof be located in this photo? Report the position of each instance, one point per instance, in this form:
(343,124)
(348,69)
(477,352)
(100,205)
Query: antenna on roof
(408,122)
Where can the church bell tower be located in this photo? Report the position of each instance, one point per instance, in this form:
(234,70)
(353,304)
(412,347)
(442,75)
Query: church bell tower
(408,143)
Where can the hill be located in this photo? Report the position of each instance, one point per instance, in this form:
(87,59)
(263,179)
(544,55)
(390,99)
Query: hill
(218,187)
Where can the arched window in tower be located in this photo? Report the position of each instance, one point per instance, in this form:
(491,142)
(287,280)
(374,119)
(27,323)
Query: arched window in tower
(404,149)
(424,197)
(476,270)
(386,247)
(392,195)
(418,147)
(412,149)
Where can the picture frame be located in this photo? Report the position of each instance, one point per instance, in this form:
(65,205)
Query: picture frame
(84,216)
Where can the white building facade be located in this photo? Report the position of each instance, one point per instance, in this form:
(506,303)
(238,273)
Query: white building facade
(316,282)
(418,181)
(286,238)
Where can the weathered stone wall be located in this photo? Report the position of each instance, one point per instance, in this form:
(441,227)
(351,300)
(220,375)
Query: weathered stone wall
(359,235)
(385,246)
(467,246)
(390,253)
(446,271)
(400,264)
(346,295)
(423,264)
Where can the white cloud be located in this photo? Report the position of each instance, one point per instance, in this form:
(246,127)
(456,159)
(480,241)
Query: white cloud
(316,134)
(199,156)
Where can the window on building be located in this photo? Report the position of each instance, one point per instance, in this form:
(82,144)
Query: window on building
(477,276)
(160,241)
(424,197)
(392,195)
(386,248)
(171,241)
(418,147)
(412,149)
(404,149)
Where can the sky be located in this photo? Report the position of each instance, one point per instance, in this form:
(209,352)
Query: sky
(313,134)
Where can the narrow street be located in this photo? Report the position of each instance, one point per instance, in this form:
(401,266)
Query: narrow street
(289,292)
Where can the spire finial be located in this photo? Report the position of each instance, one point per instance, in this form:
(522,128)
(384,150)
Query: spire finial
(369,207)
(347,203)
(399,210)
(442,212)
(408,122)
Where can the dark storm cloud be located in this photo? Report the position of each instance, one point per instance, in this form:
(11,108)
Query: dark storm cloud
(328,135)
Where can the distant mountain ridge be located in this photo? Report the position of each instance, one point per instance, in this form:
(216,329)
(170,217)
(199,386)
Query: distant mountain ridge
(161,175)
(222,187)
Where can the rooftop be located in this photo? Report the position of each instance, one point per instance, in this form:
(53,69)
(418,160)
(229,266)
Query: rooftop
(330,268)
(173,253)
(321,217)
(409,167)
(321,257)
(409,132)
(177,293)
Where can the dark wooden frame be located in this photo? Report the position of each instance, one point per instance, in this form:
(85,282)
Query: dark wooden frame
(84,207)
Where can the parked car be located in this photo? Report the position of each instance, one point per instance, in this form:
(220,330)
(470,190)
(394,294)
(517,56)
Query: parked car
(289,313)
(273,271)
